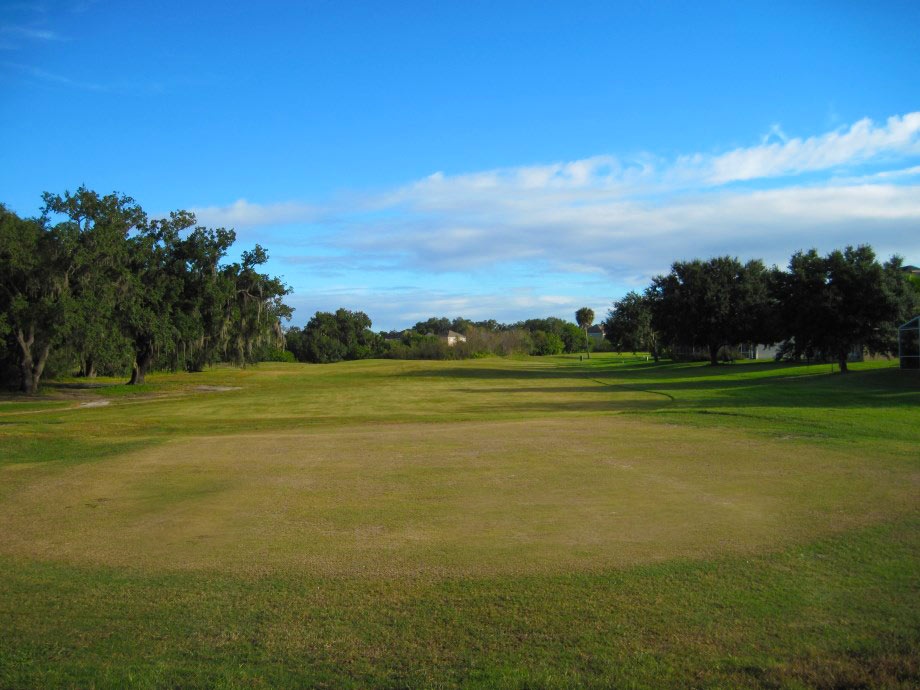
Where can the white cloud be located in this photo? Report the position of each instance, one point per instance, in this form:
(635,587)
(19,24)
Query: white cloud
(641,238)
(623,220)
(883,176)
(635,218)
(242,214)
(863,141)
(603,177)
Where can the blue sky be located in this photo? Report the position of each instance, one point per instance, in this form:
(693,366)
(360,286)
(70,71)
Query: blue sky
(486,159)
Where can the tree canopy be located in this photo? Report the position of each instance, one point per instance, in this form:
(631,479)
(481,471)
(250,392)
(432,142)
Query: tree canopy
(715,303)
(344,335)
(107,287)
(629,325)
(843,301)
(95,285)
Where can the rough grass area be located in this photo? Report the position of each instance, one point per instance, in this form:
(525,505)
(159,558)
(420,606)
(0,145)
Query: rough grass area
(511,523)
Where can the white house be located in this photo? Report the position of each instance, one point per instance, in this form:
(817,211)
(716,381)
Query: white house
(452,338)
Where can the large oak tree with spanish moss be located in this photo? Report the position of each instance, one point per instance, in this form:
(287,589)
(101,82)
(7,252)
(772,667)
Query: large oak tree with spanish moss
(107,286)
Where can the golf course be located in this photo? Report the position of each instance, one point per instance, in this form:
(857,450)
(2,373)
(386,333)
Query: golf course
(532,522)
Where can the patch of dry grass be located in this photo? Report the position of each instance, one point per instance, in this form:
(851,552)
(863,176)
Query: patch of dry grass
(474,498)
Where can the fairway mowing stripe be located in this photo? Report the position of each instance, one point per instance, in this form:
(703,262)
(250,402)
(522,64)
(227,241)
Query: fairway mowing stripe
(634,388)
(134,400)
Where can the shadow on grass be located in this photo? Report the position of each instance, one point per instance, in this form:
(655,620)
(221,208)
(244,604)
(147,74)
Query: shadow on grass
(70,451)
(694,385)
(77,386)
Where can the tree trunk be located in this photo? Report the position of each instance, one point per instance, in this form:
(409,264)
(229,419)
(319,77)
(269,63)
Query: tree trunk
(89,368)
(30,369)
(29,383)
(141,364)
(713,355)
(138,372)
(842,361)
(655,354)
(587,344)
(25,361)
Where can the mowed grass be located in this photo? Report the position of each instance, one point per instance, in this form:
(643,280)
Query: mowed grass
(543,522)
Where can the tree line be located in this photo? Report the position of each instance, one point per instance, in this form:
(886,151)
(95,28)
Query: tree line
(819,307)
(108,289)
(94,285)
(347,335)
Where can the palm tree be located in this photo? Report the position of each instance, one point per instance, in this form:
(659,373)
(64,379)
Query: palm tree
(585,317)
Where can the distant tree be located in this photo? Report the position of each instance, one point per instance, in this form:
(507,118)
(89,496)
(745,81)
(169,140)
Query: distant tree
(914,282)
(294,343)
(534,325)
(461,325)
(714,303)
(546,343)
(321,341)
(433,326)
(843,302)
(569,334)
(345,335)
(572,337)
(585,317)
(258,307)
(550,324)
(490,325)
(629,325)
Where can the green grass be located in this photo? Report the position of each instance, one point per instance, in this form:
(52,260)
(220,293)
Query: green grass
(543,522)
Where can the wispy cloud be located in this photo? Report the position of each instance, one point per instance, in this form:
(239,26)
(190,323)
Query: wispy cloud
(53,78)
(881,176)
(27,7)
(634,218)
(31,32)
(83,6)
(400,308)
(620,220)
(606,176)
(625,238)
(861,142)
(337,265)
(132,88)
(243,214)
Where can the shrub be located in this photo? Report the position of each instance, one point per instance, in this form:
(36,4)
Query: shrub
(276,354)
